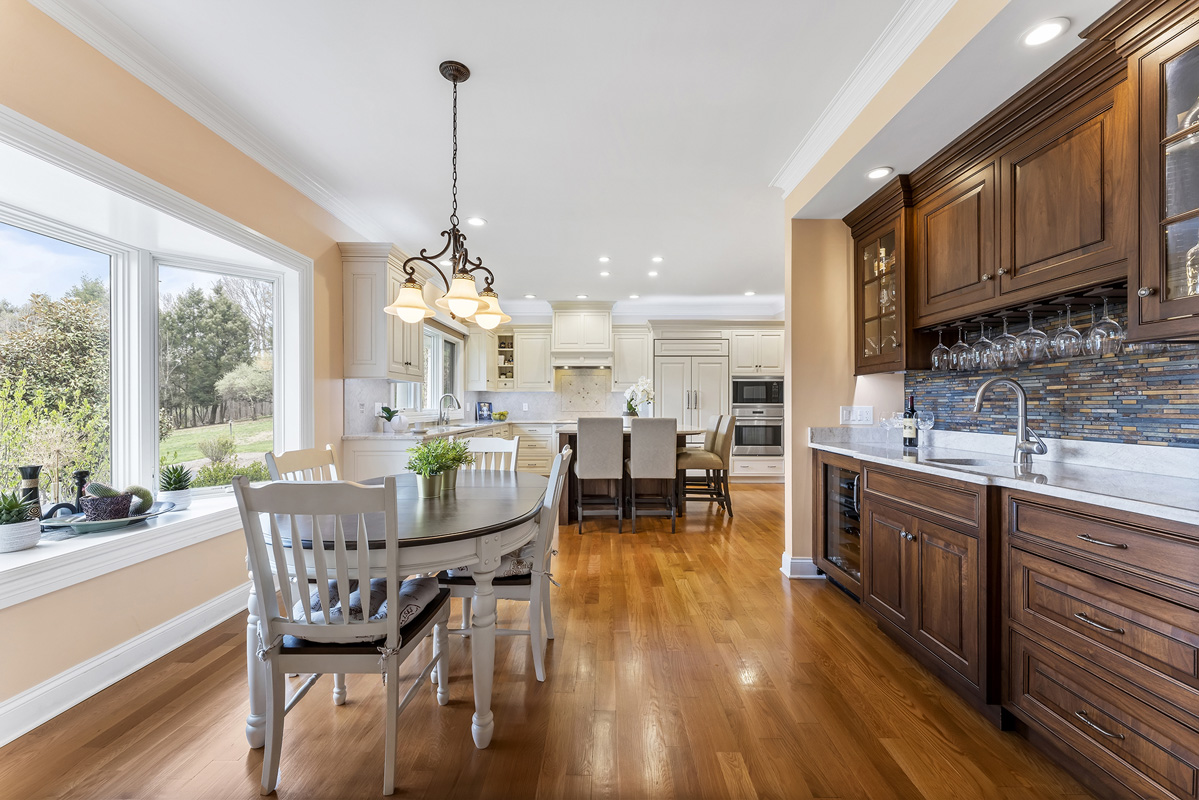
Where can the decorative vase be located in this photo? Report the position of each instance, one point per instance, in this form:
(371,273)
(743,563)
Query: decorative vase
(20,536)
(380,425)
(399,423)
(449,480)
(182,498)
(428,485)
(630,413)
(30,485)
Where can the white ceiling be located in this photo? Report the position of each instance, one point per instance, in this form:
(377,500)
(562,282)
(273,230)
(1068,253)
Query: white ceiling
(992,67)
(628,128)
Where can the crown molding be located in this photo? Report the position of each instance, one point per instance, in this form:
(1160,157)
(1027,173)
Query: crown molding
(909,27)
(124,47)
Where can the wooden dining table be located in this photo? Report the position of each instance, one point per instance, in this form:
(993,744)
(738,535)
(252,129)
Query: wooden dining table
(491,512)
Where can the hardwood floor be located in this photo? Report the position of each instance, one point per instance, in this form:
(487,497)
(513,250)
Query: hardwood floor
(684,666)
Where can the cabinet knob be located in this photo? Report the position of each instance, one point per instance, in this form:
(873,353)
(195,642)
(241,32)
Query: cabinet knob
(1003,270)
(986,276)
(1145,291)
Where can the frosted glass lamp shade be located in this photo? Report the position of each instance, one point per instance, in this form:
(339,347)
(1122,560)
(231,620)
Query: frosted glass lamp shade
(409,304)
(490,314)
(462,300)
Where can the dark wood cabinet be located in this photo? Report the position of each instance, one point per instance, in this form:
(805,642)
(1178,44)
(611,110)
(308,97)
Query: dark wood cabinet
(887,578)
(837,544)
(1068,203)
(955,247)
(1164,74)
(946,589)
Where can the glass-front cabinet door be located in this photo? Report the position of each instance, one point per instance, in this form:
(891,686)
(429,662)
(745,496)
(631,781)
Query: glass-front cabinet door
(1168,289)
(879,300)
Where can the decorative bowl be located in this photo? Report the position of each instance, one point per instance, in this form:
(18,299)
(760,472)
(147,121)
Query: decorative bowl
(102,509)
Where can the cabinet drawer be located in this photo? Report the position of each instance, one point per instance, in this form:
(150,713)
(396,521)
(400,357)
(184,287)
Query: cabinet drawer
(1150,641)
(533,429)
(1150,753)
(758,466)
(956,501)
(1123,546)
(534,445)
(533,464)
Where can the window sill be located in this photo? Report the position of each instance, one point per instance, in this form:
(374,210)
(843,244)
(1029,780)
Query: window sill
(51,566)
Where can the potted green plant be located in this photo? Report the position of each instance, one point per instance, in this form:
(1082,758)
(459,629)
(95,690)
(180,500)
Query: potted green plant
(393,420)
(19,529)
(175,486)
(426,460)
(455,453)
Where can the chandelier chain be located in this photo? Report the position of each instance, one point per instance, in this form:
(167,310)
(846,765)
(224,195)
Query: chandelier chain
(454,177)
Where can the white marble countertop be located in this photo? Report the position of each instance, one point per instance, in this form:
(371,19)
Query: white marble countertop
(1170,495)
(454,429)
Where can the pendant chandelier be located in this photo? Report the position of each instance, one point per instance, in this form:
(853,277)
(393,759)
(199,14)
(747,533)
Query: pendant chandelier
(462,298)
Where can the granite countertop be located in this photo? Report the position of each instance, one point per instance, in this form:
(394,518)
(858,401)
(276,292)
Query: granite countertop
(461,427)
(1091,477)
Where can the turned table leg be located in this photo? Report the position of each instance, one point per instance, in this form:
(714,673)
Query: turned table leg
(256,678)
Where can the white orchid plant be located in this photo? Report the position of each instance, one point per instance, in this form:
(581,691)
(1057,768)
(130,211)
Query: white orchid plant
(639,394)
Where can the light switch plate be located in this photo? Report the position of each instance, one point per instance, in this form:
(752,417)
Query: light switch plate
(857,415)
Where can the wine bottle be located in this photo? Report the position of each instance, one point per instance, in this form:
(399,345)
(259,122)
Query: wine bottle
(909,422)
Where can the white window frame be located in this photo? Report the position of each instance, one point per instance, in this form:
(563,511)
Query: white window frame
(405,392)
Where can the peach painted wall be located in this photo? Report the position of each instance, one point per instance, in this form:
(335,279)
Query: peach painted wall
(53,77)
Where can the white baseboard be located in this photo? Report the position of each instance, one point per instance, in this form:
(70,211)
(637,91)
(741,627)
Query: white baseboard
(799,568)
(25,711)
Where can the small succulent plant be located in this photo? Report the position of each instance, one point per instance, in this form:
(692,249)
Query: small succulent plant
(175,478)
(13,509)
(388,413)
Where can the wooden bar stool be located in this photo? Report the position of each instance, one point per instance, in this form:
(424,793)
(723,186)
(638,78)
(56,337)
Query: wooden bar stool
(716,463)
(600,456)
(652,457)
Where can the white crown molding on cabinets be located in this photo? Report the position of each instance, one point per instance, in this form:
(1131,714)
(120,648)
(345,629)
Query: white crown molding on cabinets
(913,22)
(124,47)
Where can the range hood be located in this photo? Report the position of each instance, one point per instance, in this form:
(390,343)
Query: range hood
(574,359)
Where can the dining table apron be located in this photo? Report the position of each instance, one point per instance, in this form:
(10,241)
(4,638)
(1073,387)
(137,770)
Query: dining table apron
(491,512)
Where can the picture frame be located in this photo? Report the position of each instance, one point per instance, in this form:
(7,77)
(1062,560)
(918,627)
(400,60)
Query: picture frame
(483,411)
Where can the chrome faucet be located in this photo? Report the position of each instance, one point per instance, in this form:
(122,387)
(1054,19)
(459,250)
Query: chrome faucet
(442,416)
(1028,442)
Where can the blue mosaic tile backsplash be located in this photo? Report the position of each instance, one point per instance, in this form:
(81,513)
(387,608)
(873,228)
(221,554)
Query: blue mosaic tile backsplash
(1136,397)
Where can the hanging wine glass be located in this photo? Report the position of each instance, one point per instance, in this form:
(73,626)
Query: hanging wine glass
(940,355)
(1032,345)
(1106,337)
(985,353)
(1068,341)
(1008,349)
(960,355)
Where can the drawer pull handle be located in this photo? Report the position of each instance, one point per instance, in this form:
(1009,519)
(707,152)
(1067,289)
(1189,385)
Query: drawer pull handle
(1079,615)
(1102,543)
(1083,716)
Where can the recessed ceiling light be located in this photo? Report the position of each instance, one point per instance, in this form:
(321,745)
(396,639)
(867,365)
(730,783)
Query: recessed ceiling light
(475,221)
(604,259)
(530,297)
(581,296)
(634,296)
(656,259)
(1045,31)
(653,273)
(750,294)
(605,274)
(879,172)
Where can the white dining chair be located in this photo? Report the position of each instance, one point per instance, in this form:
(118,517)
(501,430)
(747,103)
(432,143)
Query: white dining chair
(313,464)
(524,575)
(493,453)
(319,633)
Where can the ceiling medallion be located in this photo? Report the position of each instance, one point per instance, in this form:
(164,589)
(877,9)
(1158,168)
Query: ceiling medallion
(462,298)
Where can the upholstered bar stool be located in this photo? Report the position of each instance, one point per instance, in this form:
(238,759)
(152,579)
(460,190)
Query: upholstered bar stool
(600,457)
(709,445)
(652,444)
(716,463)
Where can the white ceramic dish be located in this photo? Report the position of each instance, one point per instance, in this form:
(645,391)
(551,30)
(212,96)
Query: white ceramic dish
(81,525)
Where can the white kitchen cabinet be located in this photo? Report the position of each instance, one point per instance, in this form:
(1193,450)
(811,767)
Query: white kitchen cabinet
(583,329)
(631,356)
(757,351)
(377,344)
(531,353)
(693,347)
(482,361)
(692,389)
(370,458)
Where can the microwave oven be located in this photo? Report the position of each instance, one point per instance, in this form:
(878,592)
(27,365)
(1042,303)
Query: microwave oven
(758,390)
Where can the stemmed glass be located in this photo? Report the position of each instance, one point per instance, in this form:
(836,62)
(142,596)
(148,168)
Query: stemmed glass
(960,355)
(986,355)
(1068,341)
(1008,348)
(1106,337)
(1032,345)
(940,355)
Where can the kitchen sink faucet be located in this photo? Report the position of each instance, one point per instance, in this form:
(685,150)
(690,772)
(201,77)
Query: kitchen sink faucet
(443,416)
(1027,440)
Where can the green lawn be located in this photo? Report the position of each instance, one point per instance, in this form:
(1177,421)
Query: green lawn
(251,436)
